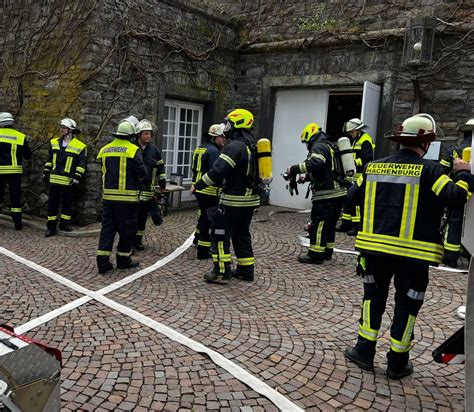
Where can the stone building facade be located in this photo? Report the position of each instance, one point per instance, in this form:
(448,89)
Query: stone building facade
(100,60)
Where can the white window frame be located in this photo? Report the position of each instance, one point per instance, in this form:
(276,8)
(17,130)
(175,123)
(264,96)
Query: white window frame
(172,151)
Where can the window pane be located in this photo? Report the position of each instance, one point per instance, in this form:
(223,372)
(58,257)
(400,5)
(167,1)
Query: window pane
(188,144)
(195,116)
(189,116)
(188,129)
(193,144)
(187,157)
(187,171)
(172,128)
(180,158)
(167,112)
(195,130)
(170,145)
(182,115)
(181,144)
(181,129)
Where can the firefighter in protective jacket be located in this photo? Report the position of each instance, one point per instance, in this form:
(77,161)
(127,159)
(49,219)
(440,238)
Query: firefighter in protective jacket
(122,171)
(203,158)
(452,236)
(363,152)
(13,150)
(402,198)
(327,193)
(234,171)
(64,170)
(155,173)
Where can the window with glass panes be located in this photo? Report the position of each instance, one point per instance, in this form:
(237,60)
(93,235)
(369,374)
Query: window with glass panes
(182,134)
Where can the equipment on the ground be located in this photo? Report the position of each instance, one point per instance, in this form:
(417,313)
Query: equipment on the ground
(347,158)
(29,374)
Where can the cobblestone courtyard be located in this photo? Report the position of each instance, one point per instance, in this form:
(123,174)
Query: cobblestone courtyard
(287,331)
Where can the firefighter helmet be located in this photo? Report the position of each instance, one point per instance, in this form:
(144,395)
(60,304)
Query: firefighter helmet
(125,129)
(469,125)
(309,132)
(420,128)
(144,126)
(216,130)
(240,119)
(6,119)
(69,123)
(353,124)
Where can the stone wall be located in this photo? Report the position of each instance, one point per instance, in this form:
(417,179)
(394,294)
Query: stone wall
(99,61)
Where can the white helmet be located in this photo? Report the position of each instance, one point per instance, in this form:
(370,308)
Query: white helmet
(353,124)
(69,123)
(420,128)
(469,125)
(125,129)
(216,130)
(6,119)
(144,125)
(132,119)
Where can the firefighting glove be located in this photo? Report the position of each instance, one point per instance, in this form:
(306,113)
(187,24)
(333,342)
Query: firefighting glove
(361,267)
(293,186)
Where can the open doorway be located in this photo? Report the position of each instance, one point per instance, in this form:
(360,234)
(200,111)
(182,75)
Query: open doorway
(342,106)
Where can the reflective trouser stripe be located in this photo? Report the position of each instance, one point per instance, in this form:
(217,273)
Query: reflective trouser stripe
(65,217)
(52,218)
(364,328)
(317,246)
(330,245)
(246,261)
(222,257)
(104,253)
(140,232)
(402,346)
(126,254)
(203,243)
(346,216)
(15,209)
(451,247)
(356,218)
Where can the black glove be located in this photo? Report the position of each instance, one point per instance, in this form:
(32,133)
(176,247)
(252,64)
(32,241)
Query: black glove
(293,186)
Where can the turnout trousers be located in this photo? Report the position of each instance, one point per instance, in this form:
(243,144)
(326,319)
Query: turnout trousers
(14,187)
(452,238)
(121,218)
(411,281)
(203,225)
(143,212)
(236,222)
(59,194)
(322,232)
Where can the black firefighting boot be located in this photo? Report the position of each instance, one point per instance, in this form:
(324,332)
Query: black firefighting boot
(344,226)
(16,217)
(354,356)
(328,253)
(398,365)
(244,273)
(126,262)
(137,244)
(363,353)
(450,259)
(313,258)
(65,225)
(220,278)
(104,265)
(50,228)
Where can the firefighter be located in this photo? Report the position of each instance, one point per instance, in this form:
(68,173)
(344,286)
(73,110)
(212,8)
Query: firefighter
(13,150)
(402,197)
(327,193)
(233,170)
(363,151)
(203,158)
(155,173)
(455,216)
(64,170)
(122,171)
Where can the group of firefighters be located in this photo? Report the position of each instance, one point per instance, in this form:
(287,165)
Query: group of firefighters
(393,205)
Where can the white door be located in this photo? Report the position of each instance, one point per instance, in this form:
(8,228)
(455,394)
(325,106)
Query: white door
(294,109)
(370,107)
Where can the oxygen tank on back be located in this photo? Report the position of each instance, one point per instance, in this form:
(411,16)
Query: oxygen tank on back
(264,155)
(347,158)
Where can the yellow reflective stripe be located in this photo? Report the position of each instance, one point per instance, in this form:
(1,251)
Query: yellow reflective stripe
(369,206)
(316,247)
(463,185)
(140,232)
(4,170)
(52,218)
(400,251)
(210,191)
(364,328)
(55,155)
(80,169)
(207,180)
(67,168)
(408,243)
(445,163)
(104,253)
(303,168)
(203,243)
(356,218)
(220,251)
(359,179)
(330,245)
(318,156)
(65,217)
(246,261)
(410,204)
(241,204)
(15,209)
(358,161)
(60,180)
(346,216)
(452,247)
(13,153)
(403,345)
(122,173)
(126,254)
(227,159)
(442,181)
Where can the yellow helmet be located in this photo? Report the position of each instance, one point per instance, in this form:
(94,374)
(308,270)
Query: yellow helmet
(309,132)
(240,118)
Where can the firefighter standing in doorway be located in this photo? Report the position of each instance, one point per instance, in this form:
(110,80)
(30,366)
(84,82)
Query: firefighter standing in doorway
(155,172)
(363,151)
(402,198)
(327,193)
(234,170)
(455,216)
(13,150)
(64,170)
(122,171)
(203,158)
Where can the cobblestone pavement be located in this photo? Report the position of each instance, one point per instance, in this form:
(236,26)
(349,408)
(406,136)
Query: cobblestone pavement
(289,328)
